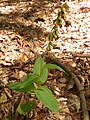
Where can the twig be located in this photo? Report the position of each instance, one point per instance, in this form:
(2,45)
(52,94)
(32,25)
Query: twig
(7,93)
(81,55)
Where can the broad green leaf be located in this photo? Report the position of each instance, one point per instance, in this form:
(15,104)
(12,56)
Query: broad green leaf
(39,63)
(47,98)
(43,75)
(15,85)
(26,85)
(27,89)
(19,87)
(53,66)
(26,107)
(28,80)
(31,78)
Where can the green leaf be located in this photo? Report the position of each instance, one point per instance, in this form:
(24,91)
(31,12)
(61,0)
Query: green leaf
(59,22)
(39,63)
(51,44)
(51,36)
(47,98)
(26,107)
(43,75)
(26,85)
(31,78)
(40,71)
(19,87)
(27,89)
(53,66)
(15,85)
(56,34)
(62,10)
(59,13)
(66,6)
(54,28)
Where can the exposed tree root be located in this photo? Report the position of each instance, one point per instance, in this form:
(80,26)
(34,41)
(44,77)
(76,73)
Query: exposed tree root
(81,55)
(80,88)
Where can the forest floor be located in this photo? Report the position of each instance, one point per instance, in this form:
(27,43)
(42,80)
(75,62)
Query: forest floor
(24,29)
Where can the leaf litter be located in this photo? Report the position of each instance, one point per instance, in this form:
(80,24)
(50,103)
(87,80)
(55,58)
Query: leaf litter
(25,25)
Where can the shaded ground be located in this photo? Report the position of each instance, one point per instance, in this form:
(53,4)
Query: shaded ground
(24,26)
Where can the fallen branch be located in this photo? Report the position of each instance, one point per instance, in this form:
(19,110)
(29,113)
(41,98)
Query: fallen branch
(77,82)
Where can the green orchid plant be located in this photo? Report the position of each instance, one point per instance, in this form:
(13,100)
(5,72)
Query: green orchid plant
(34,84)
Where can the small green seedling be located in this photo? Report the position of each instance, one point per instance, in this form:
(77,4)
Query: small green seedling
(33,84)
